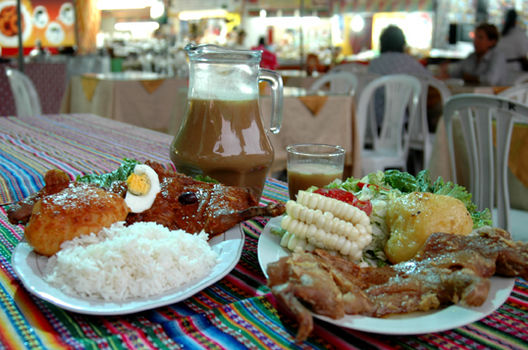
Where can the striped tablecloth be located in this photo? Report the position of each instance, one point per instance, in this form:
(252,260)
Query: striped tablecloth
(236,312)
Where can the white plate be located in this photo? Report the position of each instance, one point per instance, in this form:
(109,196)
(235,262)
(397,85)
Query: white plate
(450,317)
(29,266)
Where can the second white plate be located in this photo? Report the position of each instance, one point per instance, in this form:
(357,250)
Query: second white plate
(269,250)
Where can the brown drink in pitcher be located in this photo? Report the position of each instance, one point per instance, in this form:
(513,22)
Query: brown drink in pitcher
(222,135)
(226,141)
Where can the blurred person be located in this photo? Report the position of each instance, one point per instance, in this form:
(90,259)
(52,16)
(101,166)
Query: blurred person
(39,52)
(486,65)
(313,64)
(513,45)
(269,59)
(392,58)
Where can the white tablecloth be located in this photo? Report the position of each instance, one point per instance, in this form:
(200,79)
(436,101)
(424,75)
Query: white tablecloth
(148,103)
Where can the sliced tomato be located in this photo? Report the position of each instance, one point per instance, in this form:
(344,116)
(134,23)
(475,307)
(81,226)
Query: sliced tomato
(346,197)
(363,184)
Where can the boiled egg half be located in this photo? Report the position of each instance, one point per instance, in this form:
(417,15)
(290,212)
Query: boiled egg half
(142,187)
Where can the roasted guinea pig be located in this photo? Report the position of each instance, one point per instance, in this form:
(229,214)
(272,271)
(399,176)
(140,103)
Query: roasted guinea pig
(77,210)
(183,203)
(448,269)
(191,205)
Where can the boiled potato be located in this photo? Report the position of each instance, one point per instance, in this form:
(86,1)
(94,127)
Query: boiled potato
(412,218)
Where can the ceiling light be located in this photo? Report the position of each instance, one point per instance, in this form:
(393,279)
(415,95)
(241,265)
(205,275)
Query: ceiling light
(157,9)
(357,23)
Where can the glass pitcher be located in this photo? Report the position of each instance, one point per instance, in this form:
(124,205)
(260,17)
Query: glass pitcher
(222,134)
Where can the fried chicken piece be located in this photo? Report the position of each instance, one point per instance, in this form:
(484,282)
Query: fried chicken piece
(55,181)
(77,210)
(191,205)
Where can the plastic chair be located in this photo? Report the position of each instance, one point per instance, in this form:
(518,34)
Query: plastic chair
(391,146)
(350,67)
(488,168)
(521,79)
(340,83)
(420,137)
(27,101)
(517,93)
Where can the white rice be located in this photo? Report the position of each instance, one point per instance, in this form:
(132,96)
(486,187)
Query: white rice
(121,262)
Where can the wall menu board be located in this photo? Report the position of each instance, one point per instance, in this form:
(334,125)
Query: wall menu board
(50,21)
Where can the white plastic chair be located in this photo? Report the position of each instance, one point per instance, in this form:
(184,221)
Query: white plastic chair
(350,67)
(27,102)
(420,137)
(488,168)
(340,83)
(391,146)
(517,93)
(521,79)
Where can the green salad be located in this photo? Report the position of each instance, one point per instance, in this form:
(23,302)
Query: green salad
(381,187)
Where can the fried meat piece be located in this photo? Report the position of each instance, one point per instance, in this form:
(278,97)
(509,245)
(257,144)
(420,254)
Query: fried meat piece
(450,269)
(183,203)
(55,181)
(191,205)
(338,285)
(506,257)
(77,210)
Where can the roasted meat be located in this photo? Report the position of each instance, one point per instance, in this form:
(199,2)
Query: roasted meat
(55,181)
(193,205)
(510,257)
(183,203)
(450,269)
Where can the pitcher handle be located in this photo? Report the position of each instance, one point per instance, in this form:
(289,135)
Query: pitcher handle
(275,81)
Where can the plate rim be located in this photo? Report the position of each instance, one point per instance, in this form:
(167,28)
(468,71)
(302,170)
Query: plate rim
(87,306)
(500,286)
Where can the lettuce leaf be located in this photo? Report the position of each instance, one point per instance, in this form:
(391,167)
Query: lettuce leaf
(106,180)
(407,183)
(400,180)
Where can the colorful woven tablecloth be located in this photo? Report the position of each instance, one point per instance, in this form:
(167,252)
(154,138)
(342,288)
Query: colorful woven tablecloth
(238,312)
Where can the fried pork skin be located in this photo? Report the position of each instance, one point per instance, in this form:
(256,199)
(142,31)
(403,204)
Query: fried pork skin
(415,216)
(449,269)
(77,210)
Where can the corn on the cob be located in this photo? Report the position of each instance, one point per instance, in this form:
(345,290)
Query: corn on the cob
(316,221)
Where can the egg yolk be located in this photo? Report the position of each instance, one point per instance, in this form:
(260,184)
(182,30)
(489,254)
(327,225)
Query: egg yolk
(138,185)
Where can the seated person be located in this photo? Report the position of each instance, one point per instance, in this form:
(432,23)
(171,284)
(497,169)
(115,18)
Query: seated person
(269,58)
(485,66)
(514,45)
(392,58)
